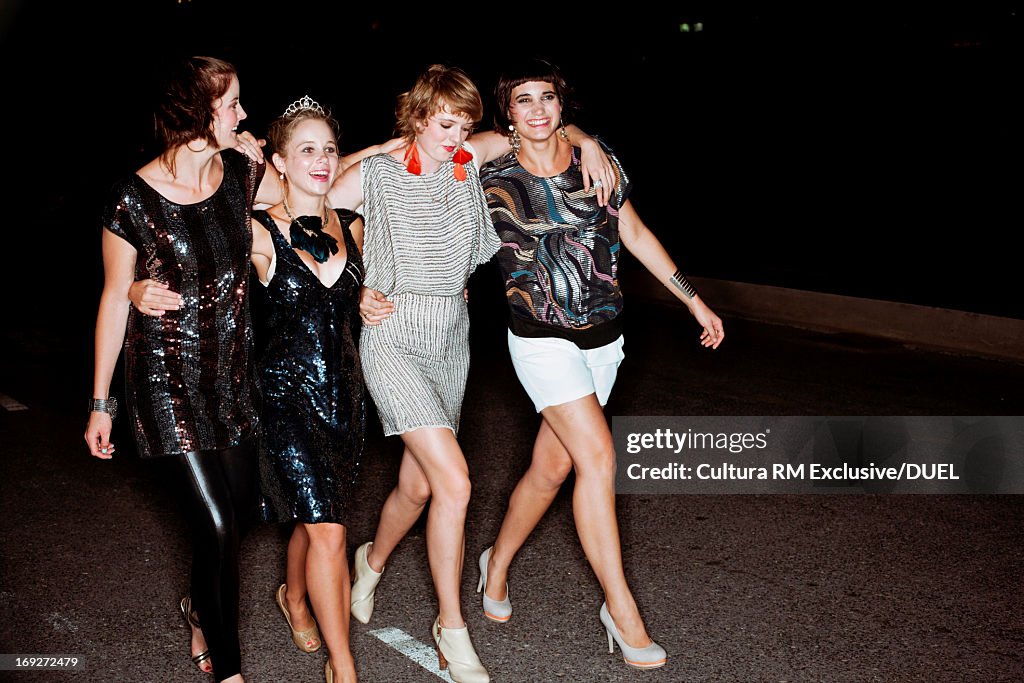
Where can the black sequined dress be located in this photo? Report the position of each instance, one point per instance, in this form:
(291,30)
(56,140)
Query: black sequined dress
(314,409)
(190,379)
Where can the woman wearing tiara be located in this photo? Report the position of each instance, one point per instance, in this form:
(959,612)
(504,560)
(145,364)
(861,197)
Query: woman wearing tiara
(308,257)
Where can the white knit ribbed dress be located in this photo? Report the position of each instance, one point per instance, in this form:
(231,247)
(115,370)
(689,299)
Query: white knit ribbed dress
(424,235)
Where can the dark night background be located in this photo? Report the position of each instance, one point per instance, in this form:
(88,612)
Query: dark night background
(866,151)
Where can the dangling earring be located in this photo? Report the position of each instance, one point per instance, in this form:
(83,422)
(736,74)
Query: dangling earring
(412,159)
(562,131)
(513,139)
(281,176)
(461,157)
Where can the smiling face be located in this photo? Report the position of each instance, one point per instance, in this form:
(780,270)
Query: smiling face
(227,114)
(535,110)
(441,135)
(309,158)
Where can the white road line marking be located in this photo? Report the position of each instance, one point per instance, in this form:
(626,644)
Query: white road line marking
(424,655)
(10,404)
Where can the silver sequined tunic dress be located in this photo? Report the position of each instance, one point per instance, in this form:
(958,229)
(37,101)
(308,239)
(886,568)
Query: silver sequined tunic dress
(424,236)
(190,379)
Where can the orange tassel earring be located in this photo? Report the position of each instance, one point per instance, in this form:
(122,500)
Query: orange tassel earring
(412,159)
(461,157)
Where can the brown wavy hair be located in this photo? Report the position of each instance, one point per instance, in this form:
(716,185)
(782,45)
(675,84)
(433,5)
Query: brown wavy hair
(437,88)
(185,110)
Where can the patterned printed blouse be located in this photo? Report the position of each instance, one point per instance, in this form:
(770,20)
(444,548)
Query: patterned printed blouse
(559,251)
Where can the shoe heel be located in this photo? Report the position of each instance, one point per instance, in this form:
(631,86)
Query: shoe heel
(498,611)
(649,657)
(442,663)
(461,662)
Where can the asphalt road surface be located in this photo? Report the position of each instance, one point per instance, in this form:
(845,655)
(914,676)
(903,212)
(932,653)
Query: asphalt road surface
(736,588)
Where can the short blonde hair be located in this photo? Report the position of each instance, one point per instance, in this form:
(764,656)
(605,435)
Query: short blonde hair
(439,87)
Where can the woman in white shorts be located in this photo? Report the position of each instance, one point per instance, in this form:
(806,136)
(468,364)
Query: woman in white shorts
(559,259)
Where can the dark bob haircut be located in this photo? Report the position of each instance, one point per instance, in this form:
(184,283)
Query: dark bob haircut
(514,75)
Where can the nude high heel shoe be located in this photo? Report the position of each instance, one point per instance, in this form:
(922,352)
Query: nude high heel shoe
(455,652)
(495,610)
(364,586)
(650,657)
(307,640)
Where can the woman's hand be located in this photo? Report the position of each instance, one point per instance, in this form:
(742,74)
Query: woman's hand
(391,145)
(596,169)
(374,307)
(152,297)
(250,146)
(355,157)
(97,435)
(713,333)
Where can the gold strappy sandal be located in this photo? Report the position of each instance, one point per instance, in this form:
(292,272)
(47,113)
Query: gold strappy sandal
(193,621)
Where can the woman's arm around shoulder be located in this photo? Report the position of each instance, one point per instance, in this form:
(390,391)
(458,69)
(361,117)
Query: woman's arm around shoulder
(489,146)
(356,228)
(355,157)
(347,190)
(595,164)
(262,250)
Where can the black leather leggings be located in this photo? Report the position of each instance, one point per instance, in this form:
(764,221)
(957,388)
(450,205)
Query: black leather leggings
(218,493)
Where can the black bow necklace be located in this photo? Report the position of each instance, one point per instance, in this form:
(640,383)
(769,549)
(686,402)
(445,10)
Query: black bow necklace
(307,233)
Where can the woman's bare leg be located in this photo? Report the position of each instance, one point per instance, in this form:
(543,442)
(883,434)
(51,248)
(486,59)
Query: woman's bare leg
(295,578)
(441,462)
(531,498)
(329,587)
(403,507)
(578,431)
(581,427)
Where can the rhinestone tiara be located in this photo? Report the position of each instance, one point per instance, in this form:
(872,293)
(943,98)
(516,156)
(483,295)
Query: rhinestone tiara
(303,104)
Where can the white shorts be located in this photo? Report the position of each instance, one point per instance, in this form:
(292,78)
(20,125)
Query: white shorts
(555,371)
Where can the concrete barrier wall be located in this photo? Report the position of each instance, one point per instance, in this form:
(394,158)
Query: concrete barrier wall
(922,326)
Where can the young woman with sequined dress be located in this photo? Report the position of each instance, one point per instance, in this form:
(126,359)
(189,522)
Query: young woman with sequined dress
(308,257)
(558,260)
(178,245)
(183,220)
(313,415)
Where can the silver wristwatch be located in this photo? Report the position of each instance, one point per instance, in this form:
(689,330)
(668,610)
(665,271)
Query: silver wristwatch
(104,405)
